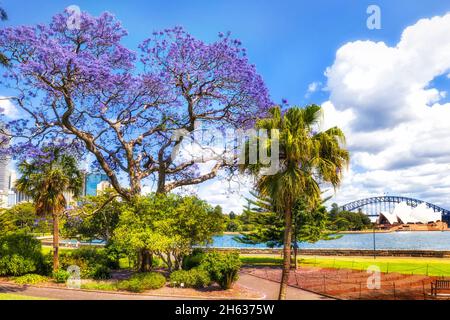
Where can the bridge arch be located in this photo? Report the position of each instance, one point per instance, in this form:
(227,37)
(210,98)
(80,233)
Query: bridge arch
(379,202)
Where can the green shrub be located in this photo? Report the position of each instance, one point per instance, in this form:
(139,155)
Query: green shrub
(106,286)
(194,278)
(223,268)
(142,281)
(101,273)
(30,279)
(46,265)
(113,255)
(151,280)
(193,260)
(15,265)
(61,276)
(93,263)
(20,254)
(133,285)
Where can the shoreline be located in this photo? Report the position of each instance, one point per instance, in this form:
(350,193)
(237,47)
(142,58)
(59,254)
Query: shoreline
(344,252)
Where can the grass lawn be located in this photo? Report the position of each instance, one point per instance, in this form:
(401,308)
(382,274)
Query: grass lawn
(430,266)
(9,296)
(46,250)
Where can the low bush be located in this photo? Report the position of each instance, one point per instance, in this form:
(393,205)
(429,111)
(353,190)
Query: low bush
(106,286)
(193,260)
(61,276)
(30,279)
(223,268)
(101,273)
(20,254)
(132,285)
(142,281)
(15,265)
(194,278)
(93,263)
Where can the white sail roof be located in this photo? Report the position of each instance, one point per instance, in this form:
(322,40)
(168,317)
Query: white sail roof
(407,214)
(425,214)
(403,212)
(392,218)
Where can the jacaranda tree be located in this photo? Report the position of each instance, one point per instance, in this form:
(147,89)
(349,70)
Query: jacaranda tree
(76,80)
(3,17)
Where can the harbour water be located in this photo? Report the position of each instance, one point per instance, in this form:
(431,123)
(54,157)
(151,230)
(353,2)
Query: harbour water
(414,240)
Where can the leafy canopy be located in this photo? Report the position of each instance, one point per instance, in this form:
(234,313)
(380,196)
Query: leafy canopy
(307,157)
(165,224)
(46,178)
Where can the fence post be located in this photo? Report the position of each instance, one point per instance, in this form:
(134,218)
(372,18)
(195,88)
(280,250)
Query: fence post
(324,285)
(423,287)
(395,297)
(387,268)
(360,289)
(427,269)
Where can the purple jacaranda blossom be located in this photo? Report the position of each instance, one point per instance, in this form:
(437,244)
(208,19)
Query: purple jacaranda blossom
(82,89)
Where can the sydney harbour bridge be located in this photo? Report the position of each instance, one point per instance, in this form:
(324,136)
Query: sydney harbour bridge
(373,206)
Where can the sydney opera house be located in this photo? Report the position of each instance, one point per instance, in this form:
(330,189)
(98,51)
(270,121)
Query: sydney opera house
(404,217)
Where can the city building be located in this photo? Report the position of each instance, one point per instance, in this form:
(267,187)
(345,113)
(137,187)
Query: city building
(91,181)
(93,184)
(102,186)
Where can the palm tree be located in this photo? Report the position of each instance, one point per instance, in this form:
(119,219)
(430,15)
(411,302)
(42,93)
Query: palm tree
(3,17)
(45,179)
(306,158)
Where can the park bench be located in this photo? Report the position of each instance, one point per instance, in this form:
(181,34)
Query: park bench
(439,285)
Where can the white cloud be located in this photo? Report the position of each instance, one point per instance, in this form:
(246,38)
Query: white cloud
(397,129)
(314,86)
(229,195)
(8,108)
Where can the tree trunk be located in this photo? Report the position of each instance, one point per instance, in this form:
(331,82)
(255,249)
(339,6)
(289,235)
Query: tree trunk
(146,261)
(135,185)
(295,227)
(169,261)
(161,185)
(295,256)
(286,253)
(55,242)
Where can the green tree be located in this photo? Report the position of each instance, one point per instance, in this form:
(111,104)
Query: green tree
(245,219)
(334,211)
(308,225)
(22,217)
(307,157)
(166,226)
(96,217)
(45,179)
(353,221)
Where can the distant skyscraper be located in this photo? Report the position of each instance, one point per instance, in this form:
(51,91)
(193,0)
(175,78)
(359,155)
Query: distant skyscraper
(103,186)
(4,174)
(91,182)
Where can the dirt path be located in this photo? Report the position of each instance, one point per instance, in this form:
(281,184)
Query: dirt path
(65,294)
(268,288)
(271,289)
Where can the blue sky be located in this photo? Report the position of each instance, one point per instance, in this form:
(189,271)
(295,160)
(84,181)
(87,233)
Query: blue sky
(378,81)
(291,42)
